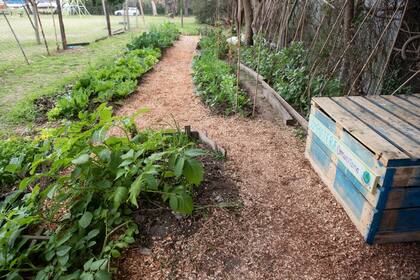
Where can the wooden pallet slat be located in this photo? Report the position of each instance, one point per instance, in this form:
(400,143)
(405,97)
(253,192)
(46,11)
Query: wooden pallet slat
(395,110)
(403,104)
(383,150)
(380,136)
(382,127)
(411,131)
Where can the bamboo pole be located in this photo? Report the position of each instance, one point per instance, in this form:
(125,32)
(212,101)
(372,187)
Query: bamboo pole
(238,70)
(42,30)
(16,38)
(55,28)
(406,82)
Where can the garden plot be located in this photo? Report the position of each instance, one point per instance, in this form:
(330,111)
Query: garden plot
(290,226)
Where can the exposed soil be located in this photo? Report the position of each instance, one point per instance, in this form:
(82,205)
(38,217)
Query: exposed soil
(290,227)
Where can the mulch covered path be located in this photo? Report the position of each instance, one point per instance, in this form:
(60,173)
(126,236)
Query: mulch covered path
(290,227)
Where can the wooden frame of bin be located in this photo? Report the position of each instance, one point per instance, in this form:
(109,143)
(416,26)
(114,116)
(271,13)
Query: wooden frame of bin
(380,137)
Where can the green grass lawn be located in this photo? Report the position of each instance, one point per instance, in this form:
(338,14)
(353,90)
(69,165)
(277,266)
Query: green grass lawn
(22,83)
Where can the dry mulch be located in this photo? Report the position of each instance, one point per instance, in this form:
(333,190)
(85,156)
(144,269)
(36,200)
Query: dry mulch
(290,227)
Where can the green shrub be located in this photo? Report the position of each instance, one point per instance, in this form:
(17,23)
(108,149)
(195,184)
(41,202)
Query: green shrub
(215,79)
(118,78)
(289,74)
(113,81)
(161,37)
(92,184)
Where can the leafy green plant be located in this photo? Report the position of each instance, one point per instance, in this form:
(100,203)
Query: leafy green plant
(215,79)
(288,73)
(85,185)
(114,80)
(16,155)
(118,78)
(161,37)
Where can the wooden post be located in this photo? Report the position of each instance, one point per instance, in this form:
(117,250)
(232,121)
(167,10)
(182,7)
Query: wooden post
(61,23)
(106,13)
(142,12)
(127,15)
(35,15)
(42,30)
(16,38)
(182,13)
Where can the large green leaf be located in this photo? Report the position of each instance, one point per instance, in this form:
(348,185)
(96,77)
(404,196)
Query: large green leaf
(82,159)
(85,220)
(120,195)
(193,171)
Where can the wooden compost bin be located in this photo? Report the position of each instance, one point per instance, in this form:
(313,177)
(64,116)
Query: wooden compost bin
(367,151)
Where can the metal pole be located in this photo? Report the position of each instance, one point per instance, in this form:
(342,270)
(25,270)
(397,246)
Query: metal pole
(16,38)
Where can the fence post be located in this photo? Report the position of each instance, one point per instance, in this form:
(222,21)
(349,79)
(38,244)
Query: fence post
(106,13)
(61,23)
(128,15)
(36,23)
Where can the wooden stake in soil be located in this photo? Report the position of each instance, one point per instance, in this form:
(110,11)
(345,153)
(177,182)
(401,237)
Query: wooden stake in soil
(127,15)
(107,19)
(238,71)
(142,13)
(16,38)
(55,28)
(182,13)
(61,23)
(36,26)
(42,30)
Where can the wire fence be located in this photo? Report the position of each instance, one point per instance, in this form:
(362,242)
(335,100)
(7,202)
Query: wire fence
(19,36)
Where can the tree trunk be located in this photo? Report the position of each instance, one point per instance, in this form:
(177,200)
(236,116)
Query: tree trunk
(154,10)
(249,34)
(186,7)
(347,36)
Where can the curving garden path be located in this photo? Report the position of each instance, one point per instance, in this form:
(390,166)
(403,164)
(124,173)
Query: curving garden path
(290,226)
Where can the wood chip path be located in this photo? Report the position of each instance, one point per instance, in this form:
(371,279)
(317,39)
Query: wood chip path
(291,227)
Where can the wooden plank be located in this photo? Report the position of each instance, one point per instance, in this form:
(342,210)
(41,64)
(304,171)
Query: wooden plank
(249,86)
(411,147)
(367,177)
(400,220)
(403,198)
(411,98)
(301,120)
(383,150)
(389,237)
(410,130)
(402,104)
(406,177)
(357,208)
(396,110)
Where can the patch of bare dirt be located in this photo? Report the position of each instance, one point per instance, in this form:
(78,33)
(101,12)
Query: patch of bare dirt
(291,227)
